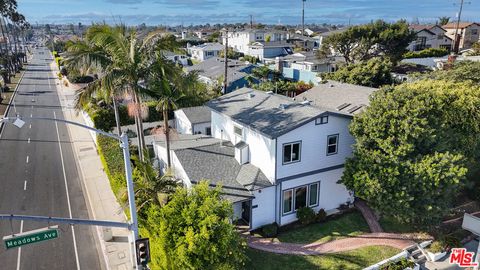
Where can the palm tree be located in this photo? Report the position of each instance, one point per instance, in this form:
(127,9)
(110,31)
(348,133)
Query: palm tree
(443,20)
(172,89)
(122,59)
(150,186)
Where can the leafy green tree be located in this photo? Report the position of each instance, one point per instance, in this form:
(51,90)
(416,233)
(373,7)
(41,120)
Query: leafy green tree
(363,42)
(194,231)
(372,73)
(264,73)
(232,54)
(415,144)
(460,71)
(476,49)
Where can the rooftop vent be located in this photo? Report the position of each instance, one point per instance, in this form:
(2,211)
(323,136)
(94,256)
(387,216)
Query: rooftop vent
(331,85)
(283,106)
(270,92)
(250,95)
(305,102)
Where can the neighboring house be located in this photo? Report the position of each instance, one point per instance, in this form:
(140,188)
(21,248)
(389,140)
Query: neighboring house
(193,120)
(304,43)
(269,50)
(240,40)
(211,72)
(468,33)
(177,58)
(430,36)
(273,155)
(205,51)
(306,66)
(307,31)
(204,34)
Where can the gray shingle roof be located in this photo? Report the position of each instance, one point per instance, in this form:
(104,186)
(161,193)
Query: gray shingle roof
(197,115)
(203,158)
(214,68)
(208,47)
(262,112)
(339,97)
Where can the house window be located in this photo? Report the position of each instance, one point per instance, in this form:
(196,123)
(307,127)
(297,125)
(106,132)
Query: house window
(474,31)
(313,195)
(208,131)
(291,152)
(332,144)
(238,131)
(209,53)
(287,201)
(300,197)
(321,120)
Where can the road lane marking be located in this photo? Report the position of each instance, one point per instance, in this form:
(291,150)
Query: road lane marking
(25,185)
(19,249)
(31,115)
(27,159)
(30,126)
(28,140)
(68,194)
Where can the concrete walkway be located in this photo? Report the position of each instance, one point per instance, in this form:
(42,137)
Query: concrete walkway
(99,196)
(372,239)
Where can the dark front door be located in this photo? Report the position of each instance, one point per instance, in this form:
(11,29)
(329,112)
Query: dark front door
(246,206)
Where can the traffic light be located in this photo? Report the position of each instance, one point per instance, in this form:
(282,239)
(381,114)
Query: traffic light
(142,247)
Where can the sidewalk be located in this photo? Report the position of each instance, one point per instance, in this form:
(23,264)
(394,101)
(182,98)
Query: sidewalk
(99,196)
(346,244)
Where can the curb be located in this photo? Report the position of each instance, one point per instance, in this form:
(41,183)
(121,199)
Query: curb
(10,102)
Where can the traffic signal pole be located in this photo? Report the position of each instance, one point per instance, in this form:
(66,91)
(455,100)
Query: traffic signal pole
(133,226)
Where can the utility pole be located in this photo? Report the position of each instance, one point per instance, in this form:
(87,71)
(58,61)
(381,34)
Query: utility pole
(303,17)
(456,41)
(225,79)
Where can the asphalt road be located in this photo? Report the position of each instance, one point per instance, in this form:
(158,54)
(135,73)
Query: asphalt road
(38,176)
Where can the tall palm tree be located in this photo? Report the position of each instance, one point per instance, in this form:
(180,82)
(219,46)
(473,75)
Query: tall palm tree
(171,89)
(122,59)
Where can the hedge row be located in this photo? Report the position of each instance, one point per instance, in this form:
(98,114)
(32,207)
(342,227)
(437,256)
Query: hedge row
(431,52)
(112,160)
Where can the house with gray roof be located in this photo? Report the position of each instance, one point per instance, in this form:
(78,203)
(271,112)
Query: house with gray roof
(272,154)
(205,51)
(212,70)
(193,120)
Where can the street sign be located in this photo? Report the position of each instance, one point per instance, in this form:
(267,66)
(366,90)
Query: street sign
(30,237)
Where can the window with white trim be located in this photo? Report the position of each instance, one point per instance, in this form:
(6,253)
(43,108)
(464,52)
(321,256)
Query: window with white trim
(313,194)
(299,197)
(291,152)
(287,201)
(332,144)
(238,131)
(321,120)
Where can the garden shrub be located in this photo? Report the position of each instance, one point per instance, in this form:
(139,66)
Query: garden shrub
(399,265)
(306,215)
(321,215)
(270,230)
(112,160)
(436,247)
(430,52)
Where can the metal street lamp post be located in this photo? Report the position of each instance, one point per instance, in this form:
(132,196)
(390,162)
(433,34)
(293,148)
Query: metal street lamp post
(18,122)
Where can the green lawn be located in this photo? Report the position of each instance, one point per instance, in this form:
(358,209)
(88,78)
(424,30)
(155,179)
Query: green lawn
(350,224)
(355,259)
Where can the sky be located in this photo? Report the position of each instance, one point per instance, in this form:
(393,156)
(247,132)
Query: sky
(187,12)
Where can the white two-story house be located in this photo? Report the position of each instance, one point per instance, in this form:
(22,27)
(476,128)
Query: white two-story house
(271,154)
(430,36)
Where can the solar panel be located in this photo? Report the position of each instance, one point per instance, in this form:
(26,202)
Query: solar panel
(343,106)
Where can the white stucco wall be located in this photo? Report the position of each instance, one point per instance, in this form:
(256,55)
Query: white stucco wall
(177,169)
(182,124)
(331,194)
(201,127)
(261,148)
(264,213)
(313,155)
